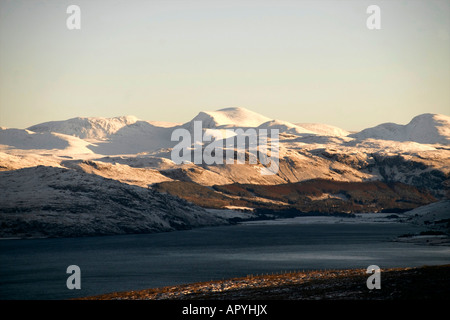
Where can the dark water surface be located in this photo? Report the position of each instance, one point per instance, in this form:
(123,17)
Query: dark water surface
(36,269)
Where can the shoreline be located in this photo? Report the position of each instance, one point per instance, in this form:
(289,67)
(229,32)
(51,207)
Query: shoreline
(356,219)
(426,282)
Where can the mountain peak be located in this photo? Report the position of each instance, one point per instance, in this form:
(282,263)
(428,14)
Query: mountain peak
(424,128)
(232,116)
(435,117)
(86,127)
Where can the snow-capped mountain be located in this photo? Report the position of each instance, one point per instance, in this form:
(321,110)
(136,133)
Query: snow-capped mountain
(86,128)
(139,137)
(232,117)
(110,163)
(107,136)
(425,128)
(126,130)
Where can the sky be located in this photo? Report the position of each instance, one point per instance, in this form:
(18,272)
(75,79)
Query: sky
(167,60)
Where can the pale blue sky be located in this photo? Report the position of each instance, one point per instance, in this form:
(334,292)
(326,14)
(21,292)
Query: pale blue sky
(300,61)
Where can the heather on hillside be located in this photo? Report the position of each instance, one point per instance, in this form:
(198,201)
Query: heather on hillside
(312,196)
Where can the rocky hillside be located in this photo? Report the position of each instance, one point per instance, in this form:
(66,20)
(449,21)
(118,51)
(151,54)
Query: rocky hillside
(56,202)
(312,196)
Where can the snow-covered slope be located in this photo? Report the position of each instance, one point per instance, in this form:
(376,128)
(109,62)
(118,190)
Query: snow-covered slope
(86,128)
(23,139)
(286,127)
(234,117)
(10,162)
(26,139)
(120,172)
(425,128)
(139,137)
(58,202)
(324,129)
(434,216)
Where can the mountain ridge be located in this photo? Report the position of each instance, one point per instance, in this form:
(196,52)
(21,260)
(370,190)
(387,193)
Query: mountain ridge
(86,127)
(424,128)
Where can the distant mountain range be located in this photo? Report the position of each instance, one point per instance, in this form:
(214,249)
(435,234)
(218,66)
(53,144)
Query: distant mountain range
(123,164)
(425,128)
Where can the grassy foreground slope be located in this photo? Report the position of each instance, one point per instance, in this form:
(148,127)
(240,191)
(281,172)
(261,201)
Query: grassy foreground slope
(428,282)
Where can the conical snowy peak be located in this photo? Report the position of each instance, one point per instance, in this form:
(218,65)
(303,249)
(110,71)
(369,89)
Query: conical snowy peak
(86,128)
(424,128)
(234,117)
